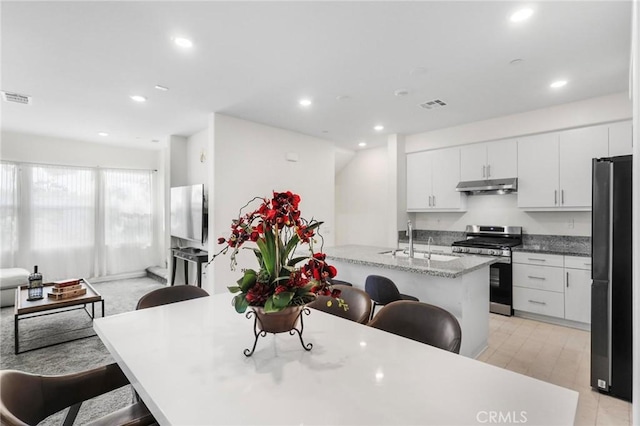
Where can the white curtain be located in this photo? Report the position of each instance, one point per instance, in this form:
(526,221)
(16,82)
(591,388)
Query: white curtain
(57,220)
(8,213)
(128,221)
(76,222)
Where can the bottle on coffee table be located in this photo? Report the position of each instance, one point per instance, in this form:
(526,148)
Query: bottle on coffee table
(35,285)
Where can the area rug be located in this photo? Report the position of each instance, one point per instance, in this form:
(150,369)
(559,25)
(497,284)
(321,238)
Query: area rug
(120,296)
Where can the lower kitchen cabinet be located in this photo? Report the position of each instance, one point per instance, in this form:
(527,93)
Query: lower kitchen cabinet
(577,290)
(538,285)
(553,285)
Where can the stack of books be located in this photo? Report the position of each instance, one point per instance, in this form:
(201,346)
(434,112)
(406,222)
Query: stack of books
(66,289)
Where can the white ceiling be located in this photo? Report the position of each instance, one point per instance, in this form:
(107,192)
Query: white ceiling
(80,61)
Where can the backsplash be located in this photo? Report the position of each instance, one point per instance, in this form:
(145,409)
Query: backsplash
(544,243)
(440,238)
(557,243)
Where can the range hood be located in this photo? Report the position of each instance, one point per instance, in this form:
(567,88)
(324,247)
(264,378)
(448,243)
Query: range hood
(489,186)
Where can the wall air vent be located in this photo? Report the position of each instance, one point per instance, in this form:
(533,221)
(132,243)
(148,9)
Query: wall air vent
(436,103)
(16,97)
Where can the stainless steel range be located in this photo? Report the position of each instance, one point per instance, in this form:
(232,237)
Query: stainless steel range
(495,241)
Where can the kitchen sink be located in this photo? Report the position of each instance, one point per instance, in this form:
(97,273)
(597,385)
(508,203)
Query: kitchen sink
(421,255)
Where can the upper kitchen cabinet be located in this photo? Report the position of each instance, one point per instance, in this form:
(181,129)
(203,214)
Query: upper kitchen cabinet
(577,148)
(554,169)
(432,177)
(489,160)
(538,164)
(620,139)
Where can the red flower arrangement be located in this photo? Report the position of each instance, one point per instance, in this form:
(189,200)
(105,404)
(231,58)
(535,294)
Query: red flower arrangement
(277,229)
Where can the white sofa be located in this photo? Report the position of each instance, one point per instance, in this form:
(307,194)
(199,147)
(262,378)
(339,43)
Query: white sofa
(10,279)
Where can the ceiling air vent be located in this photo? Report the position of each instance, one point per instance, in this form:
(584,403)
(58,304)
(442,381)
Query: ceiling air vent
(436,103)
(16,97)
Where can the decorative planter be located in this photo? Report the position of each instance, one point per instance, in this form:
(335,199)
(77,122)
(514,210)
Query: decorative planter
(277,322)
(289,319)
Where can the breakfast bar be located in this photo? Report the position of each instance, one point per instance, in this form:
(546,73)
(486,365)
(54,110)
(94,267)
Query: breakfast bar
(458,284)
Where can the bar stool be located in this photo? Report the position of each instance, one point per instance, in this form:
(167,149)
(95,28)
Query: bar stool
(383,291)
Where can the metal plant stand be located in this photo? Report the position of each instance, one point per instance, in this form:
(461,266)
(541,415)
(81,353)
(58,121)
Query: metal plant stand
(259,332)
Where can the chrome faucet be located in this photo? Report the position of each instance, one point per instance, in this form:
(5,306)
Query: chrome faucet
(410,235)
(429,241)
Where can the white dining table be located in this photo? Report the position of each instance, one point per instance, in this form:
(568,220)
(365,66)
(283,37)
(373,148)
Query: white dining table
(186,362)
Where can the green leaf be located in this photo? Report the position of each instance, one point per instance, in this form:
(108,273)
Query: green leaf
(234,289)
(268,249)
(248,280)
(240,303)
(281,301)
(269,306)
(296,260)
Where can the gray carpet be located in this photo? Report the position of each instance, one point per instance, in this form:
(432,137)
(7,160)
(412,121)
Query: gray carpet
(120,296)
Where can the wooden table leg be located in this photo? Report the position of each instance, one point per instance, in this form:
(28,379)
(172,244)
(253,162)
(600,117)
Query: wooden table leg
(186,272)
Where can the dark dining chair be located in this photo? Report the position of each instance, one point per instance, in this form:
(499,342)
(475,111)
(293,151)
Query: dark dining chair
(383,291)
(167,295)
(358,301)
(340,282)
(422,322)
(27,399)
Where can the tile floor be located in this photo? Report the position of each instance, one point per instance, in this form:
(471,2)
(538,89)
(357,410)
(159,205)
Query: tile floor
(555,354)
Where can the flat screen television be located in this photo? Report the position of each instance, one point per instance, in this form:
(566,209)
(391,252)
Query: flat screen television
(188,213)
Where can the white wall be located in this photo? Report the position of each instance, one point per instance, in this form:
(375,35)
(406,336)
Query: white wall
(503,210)
(362,199)
(47,150)
(592,111)
(248,160)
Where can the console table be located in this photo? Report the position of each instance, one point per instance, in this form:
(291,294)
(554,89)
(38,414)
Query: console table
(189,254)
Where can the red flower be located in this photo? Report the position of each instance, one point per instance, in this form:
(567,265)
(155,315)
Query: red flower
(280,289)
(221,240)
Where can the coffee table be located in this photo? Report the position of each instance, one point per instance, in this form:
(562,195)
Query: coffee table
(25,309)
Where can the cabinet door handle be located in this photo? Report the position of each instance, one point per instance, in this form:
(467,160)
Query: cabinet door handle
(537,302)
(488,170)
(535,259)
(484,168)
(562,196)
(536,278)
(567,280)
(429,200)
(434,201)
(555,197)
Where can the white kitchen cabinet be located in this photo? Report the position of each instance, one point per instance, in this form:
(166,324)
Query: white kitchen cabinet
(538,284)
(577,290)
(419,181)
(620,139)
(577,148)
(432,177)
(554,169)
(489,160)
(538,164)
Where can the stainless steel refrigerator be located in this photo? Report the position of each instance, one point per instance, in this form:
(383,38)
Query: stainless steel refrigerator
(611,303)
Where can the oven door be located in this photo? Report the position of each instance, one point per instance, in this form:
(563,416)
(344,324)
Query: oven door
(501,289)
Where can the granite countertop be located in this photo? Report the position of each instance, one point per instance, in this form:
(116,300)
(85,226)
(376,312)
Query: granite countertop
(371,256)
(548,250)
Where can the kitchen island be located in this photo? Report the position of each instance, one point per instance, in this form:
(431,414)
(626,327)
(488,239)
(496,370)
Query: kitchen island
(459,284)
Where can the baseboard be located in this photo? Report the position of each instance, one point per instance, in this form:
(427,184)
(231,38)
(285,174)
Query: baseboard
(125,276)
(552,320)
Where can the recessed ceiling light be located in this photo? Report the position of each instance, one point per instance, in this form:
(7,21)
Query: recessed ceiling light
(183,42)
(362,144)
(162,88)
(378,128)
(343,97)
(138,98)
(516,61)
(305,102)
(103,134)
(558,84)
(521,15)
(155,140)
(401,92)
